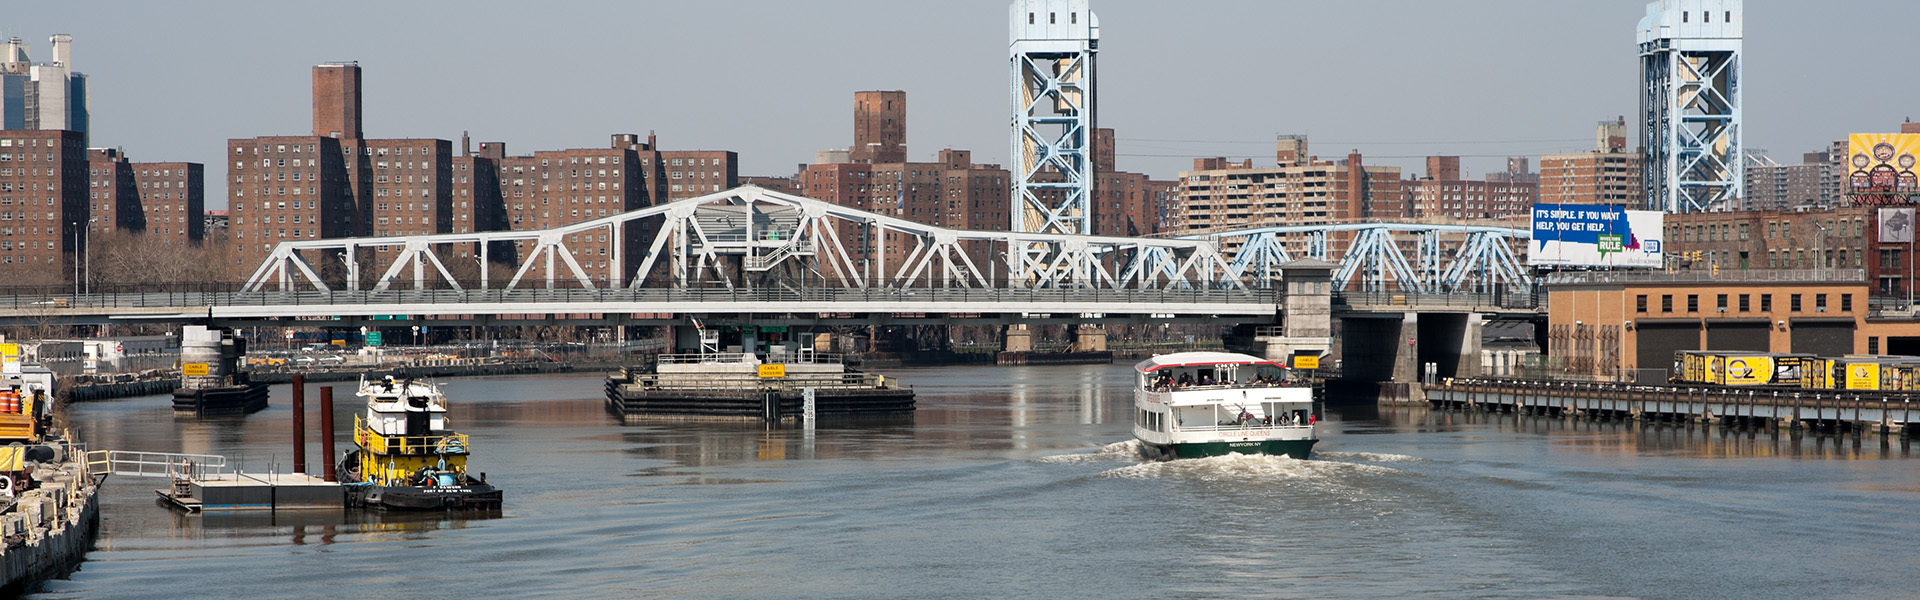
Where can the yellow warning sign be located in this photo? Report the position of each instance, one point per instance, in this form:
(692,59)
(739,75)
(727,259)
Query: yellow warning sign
(1306,362)
(194,369)
(773,370)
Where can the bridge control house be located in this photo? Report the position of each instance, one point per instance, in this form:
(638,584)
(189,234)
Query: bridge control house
(1624,325)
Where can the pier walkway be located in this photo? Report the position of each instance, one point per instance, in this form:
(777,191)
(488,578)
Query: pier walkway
(1887,413)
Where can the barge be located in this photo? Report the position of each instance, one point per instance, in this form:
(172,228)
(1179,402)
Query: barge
(211,382)
(741,386)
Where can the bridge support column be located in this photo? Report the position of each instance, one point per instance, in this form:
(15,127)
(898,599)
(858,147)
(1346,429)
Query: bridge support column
(1089,338)
(1016,338)
(1406,350)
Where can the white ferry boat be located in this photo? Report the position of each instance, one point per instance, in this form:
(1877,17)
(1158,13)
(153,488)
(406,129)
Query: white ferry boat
(1195,404)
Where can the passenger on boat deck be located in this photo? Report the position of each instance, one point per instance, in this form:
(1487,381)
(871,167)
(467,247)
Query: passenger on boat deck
(1186,379)
(1206,380)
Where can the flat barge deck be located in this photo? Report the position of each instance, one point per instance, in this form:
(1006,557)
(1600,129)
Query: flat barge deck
(737,386)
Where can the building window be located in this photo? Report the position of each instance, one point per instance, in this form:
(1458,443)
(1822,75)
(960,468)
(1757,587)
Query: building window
(1720,303)
(1743,232)
(1693,303)
(1640,302)
(1819,303)
(1873,345)
(1793,303)
(1744,305)
(1846,303)
(1766,303)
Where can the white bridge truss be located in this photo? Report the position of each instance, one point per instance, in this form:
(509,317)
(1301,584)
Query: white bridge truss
(1443,258)
(749,237)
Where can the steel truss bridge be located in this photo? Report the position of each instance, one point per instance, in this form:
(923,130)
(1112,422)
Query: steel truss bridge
(752,237)
(751,251)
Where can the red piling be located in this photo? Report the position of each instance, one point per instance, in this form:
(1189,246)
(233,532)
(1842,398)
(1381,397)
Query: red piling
(299,424)
(326,430)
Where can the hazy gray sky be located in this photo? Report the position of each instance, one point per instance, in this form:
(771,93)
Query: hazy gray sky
(1397,80)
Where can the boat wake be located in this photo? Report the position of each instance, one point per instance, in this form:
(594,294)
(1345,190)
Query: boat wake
(1366,457)
(1123,451)
(1246,467)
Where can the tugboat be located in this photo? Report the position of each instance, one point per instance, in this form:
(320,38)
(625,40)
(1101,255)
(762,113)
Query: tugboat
(1195,404)
(408,459)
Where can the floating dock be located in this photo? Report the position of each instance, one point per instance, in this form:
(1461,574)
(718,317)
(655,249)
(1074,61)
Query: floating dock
(242,491)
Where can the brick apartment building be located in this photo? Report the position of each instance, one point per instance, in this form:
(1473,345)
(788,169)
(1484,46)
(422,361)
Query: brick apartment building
(1301,189)
(1445,195)
(43,204)
(1608,174)
(171,202)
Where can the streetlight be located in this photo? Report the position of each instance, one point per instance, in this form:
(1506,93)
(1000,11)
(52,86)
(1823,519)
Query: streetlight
(1820,262)
(86,252)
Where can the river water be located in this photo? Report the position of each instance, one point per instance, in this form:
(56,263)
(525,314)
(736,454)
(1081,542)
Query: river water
(1022,482)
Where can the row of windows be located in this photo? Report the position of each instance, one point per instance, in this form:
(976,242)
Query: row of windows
(1744,303)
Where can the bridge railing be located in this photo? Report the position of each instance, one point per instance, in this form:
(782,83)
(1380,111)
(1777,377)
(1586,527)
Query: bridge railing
(1517,299)
(907,296)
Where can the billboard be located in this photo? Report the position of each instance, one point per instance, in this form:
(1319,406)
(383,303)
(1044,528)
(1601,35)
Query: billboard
(1896,225)
(1595,235)
(1880,167)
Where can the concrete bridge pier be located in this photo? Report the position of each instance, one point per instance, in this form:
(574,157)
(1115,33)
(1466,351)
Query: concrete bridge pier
(1397,347)
(1016,338)
(1089,338)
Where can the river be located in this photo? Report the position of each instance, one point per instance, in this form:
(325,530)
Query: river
(1022,482)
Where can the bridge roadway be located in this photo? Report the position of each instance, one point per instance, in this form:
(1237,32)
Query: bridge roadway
(649,306)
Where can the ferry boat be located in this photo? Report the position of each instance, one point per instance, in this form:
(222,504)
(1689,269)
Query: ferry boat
(1195,404)
(408,459)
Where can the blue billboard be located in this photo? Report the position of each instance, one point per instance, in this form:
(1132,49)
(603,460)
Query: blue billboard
(1595,235)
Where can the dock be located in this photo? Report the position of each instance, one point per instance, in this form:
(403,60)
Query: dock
(243,491)
(202,482)
(1838,411)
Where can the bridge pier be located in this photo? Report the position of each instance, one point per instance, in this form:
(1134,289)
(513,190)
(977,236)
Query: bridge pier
(1089,338)
(1016,338)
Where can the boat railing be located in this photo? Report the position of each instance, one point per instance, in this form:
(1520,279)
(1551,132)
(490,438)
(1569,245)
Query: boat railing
(1290,383)
(379,443)
(749,381)
(1254,425)
(800,358)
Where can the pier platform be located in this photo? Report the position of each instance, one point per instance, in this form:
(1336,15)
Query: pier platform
(243,491)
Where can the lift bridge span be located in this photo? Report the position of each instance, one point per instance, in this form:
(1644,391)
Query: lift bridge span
(752,251)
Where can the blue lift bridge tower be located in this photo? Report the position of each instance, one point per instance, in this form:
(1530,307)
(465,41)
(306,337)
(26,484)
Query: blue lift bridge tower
(1690,105)
(1051,49)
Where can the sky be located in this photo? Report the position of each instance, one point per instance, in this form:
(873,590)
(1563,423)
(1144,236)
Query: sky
(774,80)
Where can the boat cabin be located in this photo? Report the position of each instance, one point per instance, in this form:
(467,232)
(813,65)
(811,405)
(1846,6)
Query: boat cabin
(404,408)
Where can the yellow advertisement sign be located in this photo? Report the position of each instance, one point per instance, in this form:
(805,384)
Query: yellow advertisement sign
(1749,370)
(194,369)
(1716,369)
(10,352)
(1863,376)
(1306,362)
(1882,164)
(773,370)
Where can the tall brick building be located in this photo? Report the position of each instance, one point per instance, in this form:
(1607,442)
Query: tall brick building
(1301,189)
(1608,174)
(43,204)
(172,201)
(879,127)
